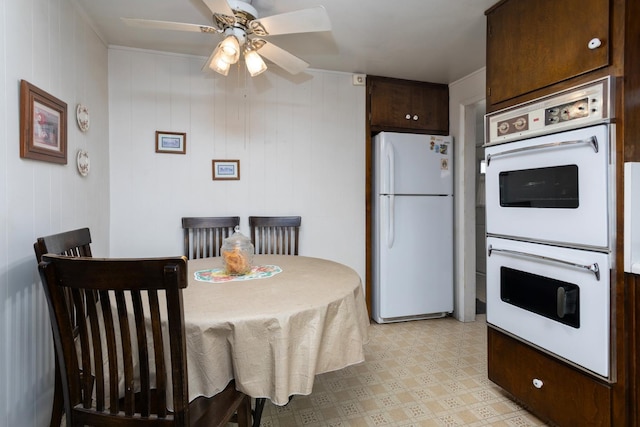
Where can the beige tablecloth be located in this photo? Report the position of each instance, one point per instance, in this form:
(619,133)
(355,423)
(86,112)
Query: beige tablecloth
(273,335)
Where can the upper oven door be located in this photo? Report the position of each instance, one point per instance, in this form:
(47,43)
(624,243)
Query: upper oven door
(551,189)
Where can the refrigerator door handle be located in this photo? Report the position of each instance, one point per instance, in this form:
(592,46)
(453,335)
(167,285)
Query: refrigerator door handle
(391,224)
(392,172)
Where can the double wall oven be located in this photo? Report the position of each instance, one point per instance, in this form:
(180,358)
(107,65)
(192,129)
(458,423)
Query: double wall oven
(550,222)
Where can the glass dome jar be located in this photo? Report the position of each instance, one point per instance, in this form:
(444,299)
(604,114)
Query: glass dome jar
(237,254)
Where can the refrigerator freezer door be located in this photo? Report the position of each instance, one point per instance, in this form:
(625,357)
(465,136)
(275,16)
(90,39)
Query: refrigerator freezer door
(413,273)
(413,164)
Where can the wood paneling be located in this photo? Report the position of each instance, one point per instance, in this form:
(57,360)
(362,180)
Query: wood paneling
(631,296)
(48,43)
(624,68)
(300,144)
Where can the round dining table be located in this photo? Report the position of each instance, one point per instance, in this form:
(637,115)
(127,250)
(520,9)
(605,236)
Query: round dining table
(274,330)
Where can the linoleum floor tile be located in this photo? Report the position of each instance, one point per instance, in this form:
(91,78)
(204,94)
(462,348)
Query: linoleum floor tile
(420,373)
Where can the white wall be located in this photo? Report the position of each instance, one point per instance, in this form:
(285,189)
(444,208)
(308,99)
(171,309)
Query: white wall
(300,141)
(463,94)
(49,44)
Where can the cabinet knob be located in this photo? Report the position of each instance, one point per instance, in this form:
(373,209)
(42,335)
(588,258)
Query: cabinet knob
(415,117)
(537,383)
(594,43)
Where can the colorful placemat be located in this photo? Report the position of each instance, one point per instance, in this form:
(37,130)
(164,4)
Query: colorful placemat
(217,275)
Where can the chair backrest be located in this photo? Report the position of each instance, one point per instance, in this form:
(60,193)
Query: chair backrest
(203,236)
(275,234)
(70,243)
(73,243)
(116,370)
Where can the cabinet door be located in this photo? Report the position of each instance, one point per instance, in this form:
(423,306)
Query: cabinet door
(532,44)
(550,389)
(407,105)
(430,107)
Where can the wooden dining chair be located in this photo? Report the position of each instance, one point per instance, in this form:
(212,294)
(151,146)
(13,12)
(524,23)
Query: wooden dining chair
(275,234)
(278,235)
(71,243)
(120,369)
(203,236)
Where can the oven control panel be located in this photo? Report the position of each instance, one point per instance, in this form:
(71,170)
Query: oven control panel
(577,107)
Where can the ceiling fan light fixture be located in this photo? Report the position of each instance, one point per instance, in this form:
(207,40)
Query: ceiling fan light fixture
(218,62)
(230,48)
(255,63)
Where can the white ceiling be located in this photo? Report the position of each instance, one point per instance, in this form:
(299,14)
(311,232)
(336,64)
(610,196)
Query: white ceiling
(428,40)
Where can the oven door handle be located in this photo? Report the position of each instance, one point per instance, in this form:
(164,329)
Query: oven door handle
(591,140)
(593,267)
(566,301)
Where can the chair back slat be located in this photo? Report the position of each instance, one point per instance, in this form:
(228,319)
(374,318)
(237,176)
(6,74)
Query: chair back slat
(161,369)
(122,331)
(275,235)
(203,236)
(145,383)
(126,350)
(86,331)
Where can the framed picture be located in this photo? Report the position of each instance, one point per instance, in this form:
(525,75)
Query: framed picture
(226,169)
(43,125)
(171,142)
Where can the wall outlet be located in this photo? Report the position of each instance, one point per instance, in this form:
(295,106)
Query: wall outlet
(359,79)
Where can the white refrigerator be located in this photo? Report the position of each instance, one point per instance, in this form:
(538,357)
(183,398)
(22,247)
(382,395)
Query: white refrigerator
(413,227)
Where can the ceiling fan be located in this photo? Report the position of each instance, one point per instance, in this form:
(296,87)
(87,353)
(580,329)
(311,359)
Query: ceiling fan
(237,21)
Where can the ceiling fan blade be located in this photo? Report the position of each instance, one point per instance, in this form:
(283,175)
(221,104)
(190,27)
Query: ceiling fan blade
(167,25)
(300,21)
(282,58)
(219,6)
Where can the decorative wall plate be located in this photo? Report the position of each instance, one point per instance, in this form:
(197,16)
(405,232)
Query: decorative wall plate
(82,115)
(83,162)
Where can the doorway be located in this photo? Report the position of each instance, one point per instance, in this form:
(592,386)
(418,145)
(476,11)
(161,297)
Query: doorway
(472,258)
(481,236)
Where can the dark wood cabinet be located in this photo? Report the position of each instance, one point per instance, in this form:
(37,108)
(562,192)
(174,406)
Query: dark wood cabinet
(539,47)
(551,389)
(532,44)
(405,105)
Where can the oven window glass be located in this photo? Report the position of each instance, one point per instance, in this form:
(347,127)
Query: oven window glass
(551,298)
(553,187)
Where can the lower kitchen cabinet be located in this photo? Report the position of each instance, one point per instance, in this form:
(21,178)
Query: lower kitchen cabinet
(552,390)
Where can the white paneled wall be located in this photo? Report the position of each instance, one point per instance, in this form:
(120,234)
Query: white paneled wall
(49,44)
(300,141)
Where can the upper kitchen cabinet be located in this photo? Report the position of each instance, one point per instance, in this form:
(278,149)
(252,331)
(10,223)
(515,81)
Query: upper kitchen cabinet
(408,106)
(532,44)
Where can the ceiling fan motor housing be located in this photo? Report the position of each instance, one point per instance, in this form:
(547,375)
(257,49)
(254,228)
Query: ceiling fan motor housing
(238,25)
(239,33)
(243,10)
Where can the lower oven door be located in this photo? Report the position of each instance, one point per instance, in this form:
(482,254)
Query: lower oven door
(558,185)
(555,298)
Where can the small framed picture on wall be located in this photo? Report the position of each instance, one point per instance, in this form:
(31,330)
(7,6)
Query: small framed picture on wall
(226,169)
(171,142)
(43,125)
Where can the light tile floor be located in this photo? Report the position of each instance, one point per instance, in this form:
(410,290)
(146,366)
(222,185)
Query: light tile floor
(420,373)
